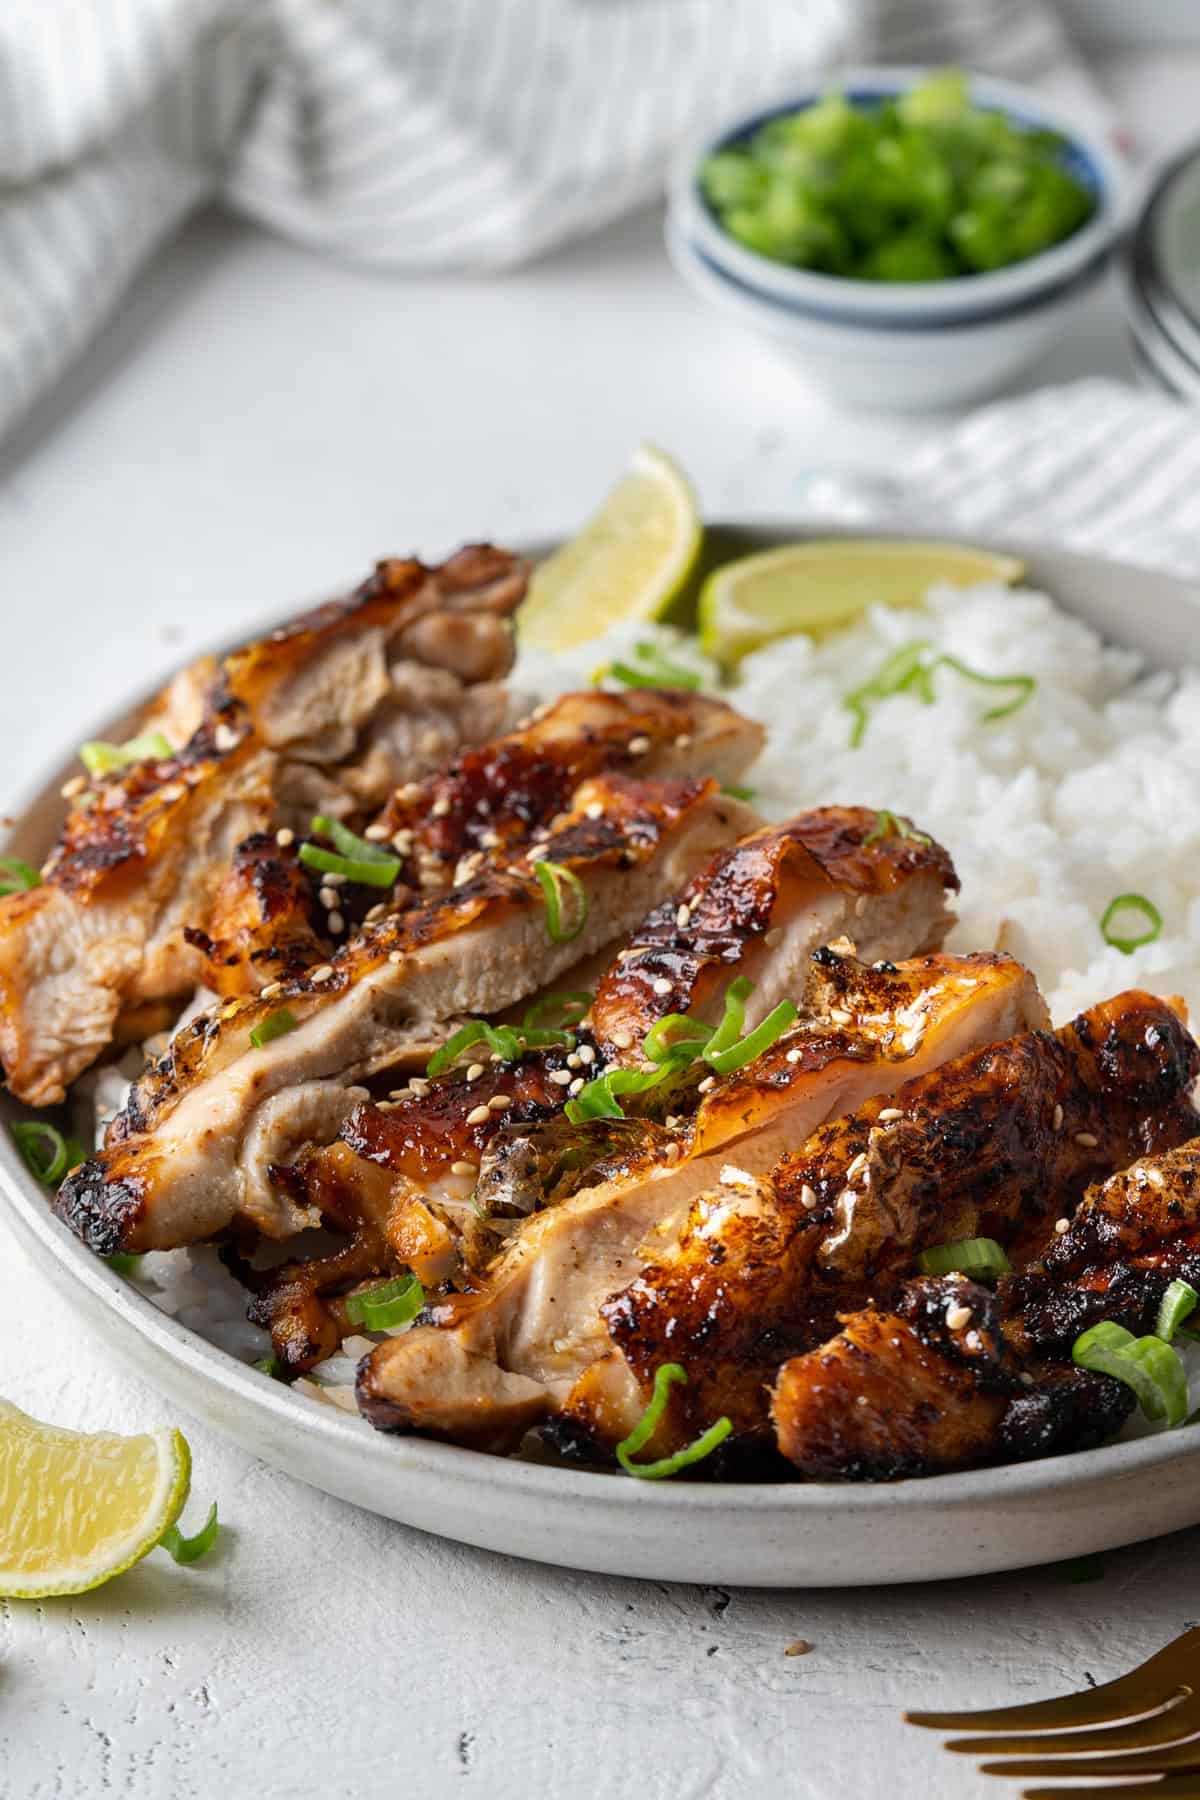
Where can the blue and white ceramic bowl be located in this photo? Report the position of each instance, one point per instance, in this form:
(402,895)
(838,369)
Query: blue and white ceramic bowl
(903,345)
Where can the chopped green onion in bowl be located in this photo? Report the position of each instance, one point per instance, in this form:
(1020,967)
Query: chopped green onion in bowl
(101,758)
(16,876)
(563,923)
(275,1025)
(924,186)
(387,1305)
(47,1154)
(667,1376)
(190,1549)
(1177,1304)
(969,1256)
(1147,1365)
(353,857)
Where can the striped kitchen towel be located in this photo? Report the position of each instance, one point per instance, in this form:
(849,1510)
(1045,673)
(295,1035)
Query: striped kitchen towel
(413,134)
(1093,465)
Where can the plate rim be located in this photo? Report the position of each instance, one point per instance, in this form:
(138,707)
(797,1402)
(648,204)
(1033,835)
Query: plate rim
(49,1242)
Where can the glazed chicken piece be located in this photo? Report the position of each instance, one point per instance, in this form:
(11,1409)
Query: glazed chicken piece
(758,905)
(929,1386)
(538,1320)
(324,714)
(1130,1237)
(263,924)
(491,801)
(991,1144)
(190,1153)
(825,876)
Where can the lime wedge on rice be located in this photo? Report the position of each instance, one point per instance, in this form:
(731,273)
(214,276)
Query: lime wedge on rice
(78,1508)
(826,582)
(628,563)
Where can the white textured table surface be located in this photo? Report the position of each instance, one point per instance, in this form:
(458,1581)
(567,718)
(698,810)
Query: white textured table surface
(251,433)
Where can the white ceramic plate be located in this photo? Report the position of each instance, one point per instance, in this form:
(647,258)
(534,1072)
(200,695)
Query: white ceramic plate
(766,1536)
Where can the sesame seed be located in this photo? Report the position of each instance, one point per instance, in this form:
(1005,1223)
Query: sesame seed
(707,1085)
(479,1115)
(225,737)
(561,1077)
(888,1114)
(321,973)
(1061,1227)
(973,1340)
(499,1102)
(572,1061)
(174,790)
(496,1057)
(1058,1118)
(840,1016)
(623,1040)
(285,836)
(229,1011)
(683,916)
(402,841)
(410,791)
(1087,1140)
(793,1056)
(576,1086)
(269,991)
(474,1071)
(671,1121)
(808,1198)
(673,1152)
(594,810)
(957,1316)
(328,897)
(464,1168)
(860,906)
(843,946)
(333,879)
(586,1054)
(638,746)
(376,833)
(440,807)
(857,1164)
(662,985)
(683,740)
(491,840)
(76,785)
(376,912)
(335,921)
(400,1093)
(395,956)
(420,1086)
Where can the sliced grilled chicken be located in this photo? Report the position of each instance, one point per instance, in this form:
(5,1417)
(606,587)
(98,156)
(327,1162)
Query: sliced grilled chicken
(311,717)
(721,933)
(495,799)
(929,1386)
(264,925)
(1131,1236)
(175,1170)
(539,1314)
(987,1145)
(762,910)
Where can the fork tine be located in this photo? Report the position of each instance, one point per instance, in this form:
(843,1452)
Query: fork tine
(1175,1787)
(1143,1690)
(1169,1727)
(1183,1759)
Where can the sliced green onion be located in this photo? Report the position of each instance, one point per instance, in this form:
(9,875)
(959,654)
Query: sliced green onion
(1136,903)
(275,1025)
(100,758)
(502,1040)
(890,824)
(389,1303)
(16,876)
(666,1376)
(733,1021)
(738,793)
(270,1365)
(122,1263)
(691,1035)
(369,874)
(1179,1300)
(654,671)
(566,1009)
(191,1549)
(45,1150)
(598,1100)
(1147,1365)
(906,671)
(554,878)
(755,1042)
(348,843)
(1024,684)
(969,1256)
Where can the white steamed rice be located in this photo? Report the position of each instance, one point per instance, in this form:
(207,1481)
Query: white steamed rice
(1090,790)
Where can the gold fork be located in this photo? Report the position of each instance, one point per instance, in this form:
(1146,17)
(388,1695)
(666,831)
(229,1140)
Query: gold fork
(1145,1723)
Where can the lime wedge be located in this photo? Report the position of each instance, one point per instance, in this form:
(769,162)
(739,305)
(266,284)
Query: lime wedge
(826,582)
(629,561)
(76,1508)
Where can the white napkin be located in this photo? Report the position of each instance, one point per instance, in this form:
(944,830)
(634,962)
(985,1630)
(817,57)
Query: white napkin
(1093,465)
(427,134)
